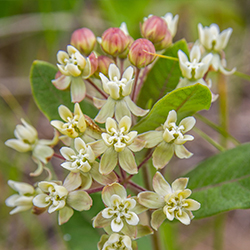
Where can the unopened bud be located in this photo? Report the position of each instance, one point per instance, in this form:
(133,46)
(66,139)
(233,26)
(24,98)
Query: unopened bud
(114,41)
(93,62)
(154,29)
(103,64)
(138,55)
(84,40)
(165,43)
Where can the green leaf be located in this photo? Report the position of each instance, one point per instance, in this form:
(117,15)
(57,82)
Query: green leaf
(79,230)
(184,101)
(47,97)
(163,77)
(222,182)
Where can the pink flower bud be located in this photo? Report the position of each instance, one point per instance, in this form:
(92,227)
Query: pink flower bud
(125,53)
(114,41)
(165,42)
(93,62)
(154,29)
(84,40)
(138,55)
(103,64)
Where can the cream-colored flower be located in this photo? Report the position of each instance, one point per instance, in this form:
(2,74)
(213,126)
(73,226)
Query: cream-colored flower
(74,68)
(27,140)
(118,88)
(215,42)
(169,139)
(117,145)
(23,200)
(81,161)
(171,22)
(170,201)
(120,212)
(57,197)
(115,242)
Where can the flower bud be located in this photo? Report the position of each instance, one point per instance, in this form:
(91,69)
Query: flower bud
(154,29)
(114,41)
(138,55)
(103,64)
(165,43)
(84,40)
(93,62)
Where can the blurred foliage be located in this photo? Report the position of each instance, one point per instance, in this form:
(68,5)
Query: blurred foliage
(31,30)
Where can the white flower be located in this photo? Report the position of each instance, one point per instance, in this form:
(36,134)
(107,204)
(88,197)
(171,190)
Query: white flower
(171,22)
(214,41)
(196,68)
(23,200)
(117,242)
(169,139)
(118,88)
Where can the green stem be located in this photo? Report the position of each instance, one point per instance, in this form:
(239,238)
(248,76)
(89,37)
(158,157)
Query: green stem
(209,139)
(156,240)
(217,128)
(242,75)
(219,225)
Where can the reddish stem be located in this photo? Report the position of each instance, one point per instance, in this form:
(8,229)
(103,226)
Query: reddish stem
(136,186)
(97,88)
(137,73)
(59,156)
(94,190)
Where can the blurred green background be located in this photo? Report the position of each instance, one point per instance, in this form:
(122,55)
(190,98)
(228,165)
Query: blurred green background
(37,29)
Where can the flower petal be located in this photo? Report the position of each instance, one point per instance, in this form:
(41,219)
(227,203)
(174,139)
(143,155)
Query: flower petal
(181,152)
(21,187)
(43,153)
(40,200)
(79,200)
(192,204)
(77,89)
(114,72)
(151,199)
(157,218)
(127,161)
(160,185)
(152,138)
(98,147)
(188,123)
(72,181)
(172,117)
(116,225)
(108,161)
(100,221)
(121,110)
(137,145)
(183,217)
(137,111)
(62,82)
(18,145)
(133,219)
(179,184)
(99,103)
(106,111)
(64,113)
(64,215)
(125,123)
(67,153)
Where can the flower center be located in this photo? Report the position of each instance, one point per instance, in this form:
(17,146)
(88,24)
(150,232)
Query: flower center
(72,123)
(175,130)
(80,159)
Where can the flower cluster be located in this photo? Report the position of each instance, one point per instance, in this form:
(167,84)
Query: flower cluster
(103,152)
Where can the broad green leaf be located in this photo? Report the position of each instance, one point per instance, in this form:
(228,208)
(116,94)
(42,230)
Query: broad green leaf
(184,101)
(222,182)
(47,97)
(163,77)
(79,230)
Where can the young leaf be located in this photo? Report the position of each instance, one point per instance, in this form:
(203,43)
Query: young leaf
(163,77)
(184,101)
(222,182)
(47,97)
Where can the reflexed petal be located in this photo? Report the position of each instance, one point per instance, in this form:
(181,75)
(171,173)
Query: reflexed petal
(21,187)
(64,113)
(77,89)
(10,201)
(180,141)
(133,219)
(160,185)
(137,145)
(183,218)
(121,110)
(127,161)
(226,72)
(116,225)
(109,190)
(151,199)
(102,179)
(195,54)
(157,218)
(114,90)
(43,153)
(128,73)
(67,153)
(114,72)
(98,147)
(188,123)
(65,214)
(57,124)
(108,161)
(137,111)
(172,117)
(24,201)
(143,231)
(59,206)
(179,184)
(18,145)
(72,181)
(40,200)
(162,154)
(125,122)
(152,138)
(100,221)
(19,209)
(106,111)
(68,165)
(126,90)
(222,39)
(62,82)
(181,152)
(192,204)
(79,200)
(186,71)
(99,103)
(105,81)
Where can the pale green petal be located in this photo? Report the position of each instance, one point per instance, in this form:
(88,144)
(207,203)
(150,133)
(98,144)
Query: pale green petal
(152,138)
(64,113)
(126,90)
(18,145)
(185,138)
(99,103)
(62,82)
(110,124)
(114,90)
(137,111)
(162,154)
(64,215)
(167,136)
(181,152)
(125,123)
(72,181)
(40,200)
(109,190)
(179,184)
(19,209)
(79,144)
(103,239)
(137,145)
(151,199)
(121,110)
(53,208)
(183,217)
(57,124)
(108,161)
(21,187)
(129,230)
(114,72)
(100,221)
(104,80)
(86,181)
(138,207)
(77,89)
(188,123)
(192,205)
(24,201)
(43,153)
(10,201)
(160,185)
(143,231)
(172,117)
(106,111)
(98,147)
(127,161)
(128,73)
(185,193)
(79,200)
(67,153)
(157,218)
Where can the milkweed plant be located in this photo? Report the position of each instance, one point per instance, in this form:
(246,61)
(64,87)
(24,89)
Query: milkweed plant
(120,107)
